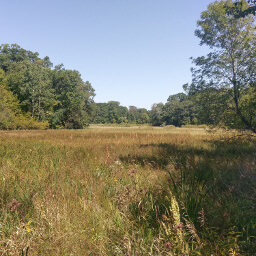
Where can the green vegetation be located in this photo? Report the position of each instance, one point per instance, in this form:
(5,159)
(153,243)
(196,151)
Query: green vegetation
(179,110)
(223,90)
(241,9)
(41,96)
(229,69)
(112,112)
(124,186)
(127,191)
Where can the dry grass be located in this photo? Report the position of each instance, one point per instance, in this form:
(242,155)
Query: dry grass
(106,190)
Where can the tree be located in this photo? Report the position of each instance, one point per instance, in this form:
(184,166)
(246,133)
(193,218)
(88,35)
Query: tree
(74,97)
(242,8)
(138,115)
(230,66)
(179,110)
(133,114)
(113,112)
(8,105)
(11,116)
(31,83)
(59,96)
(143,118)
(14,53)
(156,114)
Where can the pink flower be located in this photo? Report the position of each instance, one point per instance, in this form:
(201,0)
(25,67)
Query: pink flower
(13,205)
(132,172)
(178,226)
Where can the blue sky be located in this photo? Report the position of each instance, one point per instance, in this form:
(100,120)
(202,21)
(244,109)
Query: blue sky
(132,51)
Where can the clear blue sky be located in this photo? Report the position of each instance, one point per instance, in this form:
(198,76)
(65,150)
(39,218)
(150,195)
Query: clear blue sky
(132,51)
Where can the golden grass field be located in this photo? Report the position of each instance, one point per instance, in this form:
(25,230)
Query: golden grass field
(136,190)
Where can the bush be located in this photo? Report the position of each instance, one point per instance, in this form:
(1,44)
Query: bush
(28,123)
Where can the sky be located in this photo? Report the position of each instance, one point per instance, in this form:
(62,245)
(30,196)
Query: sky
(136,52)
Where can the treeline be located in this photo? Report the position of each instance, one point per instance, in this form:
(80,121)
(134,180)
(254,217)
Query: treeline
(179,110)
(33,94)
(205,106)
(113,112)
(223,88)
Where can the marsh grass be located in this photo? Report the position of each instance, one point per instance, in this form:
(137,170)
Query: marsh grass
(127,191)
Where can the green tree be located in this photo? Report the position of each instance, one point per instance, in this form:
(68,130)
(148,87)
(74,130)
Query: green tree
(143,118)
(14,53)
(179,110)
(11,116)
(74,97)
(230,66)
(31,83)
(59,96)
(133,114)
(100,113)
(138,115)
(242,8)
(8,105)
(156,114)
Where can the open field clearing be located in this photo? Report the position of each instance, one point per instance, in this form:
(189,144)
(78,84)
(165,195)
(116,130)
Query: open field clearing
(127,191)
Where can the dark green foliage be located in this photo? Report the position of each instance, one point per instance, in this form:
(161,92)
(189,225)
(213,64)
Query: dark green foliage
(229,70)
(179,110)
(138,115)
(11,116)
(110,112)
(113,112)
(73,98)
(32,85)
(242,8)
(156,114)
(57,96)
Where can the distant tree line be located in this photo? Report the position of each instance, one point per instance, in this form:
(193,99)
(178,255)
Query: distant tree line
(204,106)
(223,88)
(113,112)
(179,110)
(33,94)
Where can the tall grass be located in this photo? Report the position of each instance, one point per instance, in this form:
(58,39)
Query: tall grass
(127,191)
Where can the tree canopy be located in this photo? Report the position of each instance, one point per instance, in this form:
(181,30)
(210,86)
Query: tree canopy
(230,67)
(242,8)
(34,94)
(56,96)
(113,112)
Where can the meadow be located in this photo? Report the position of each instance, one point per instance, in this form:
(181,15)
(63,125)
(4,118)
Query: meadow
(127,191)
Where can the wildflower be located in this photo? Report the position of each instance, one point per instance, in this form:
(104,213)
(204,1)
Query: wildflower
(132,172)
(232,252)
(27,227)
(168,245)
(180,225)
(14,205)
